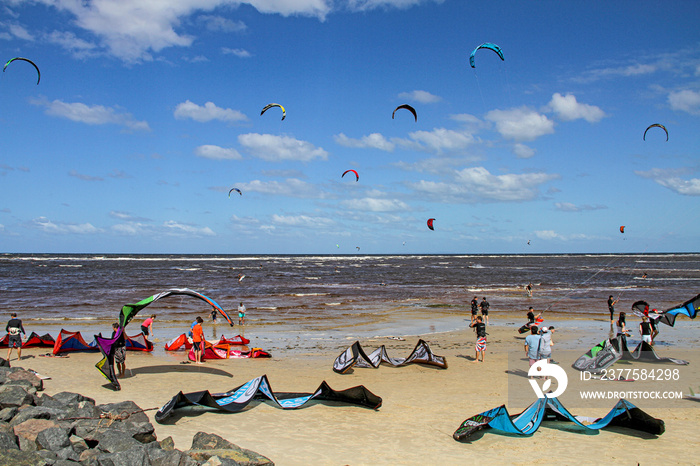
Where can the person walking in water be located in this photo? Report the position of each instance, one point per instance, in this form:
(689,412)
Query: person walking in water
(15,330)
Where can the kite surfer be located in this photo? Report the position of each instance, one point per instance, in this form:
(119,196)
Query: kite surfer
(531,317)
(147,326)
(475,309)
(198,340)
(241,314)
(119,352)
(484,306)
(611,308)
(15,330)
(480,329)
(213,316)
(528,288)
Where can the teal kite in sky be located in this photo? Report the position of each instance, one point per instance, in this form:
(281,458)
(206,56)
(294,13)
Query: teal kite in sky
(486,45)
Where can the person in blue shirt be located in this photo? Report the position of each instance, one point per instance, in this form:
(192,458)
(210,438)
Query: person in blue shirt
(532,345)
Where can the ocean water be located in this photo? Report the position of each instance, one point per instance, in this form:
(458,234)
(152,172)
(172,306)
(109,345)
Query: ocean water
(332,296)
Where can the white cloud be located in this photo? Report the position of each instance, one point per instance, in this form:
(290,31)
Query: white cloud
(685,101)
(84,177)
(181,229)
(60,228)
(373,141)
(301,221)
(132,30)
(20,32)
(79,48)
(522,151)
(375,205)
(423,97)
(280,148)
(568,109)
(91,114)
(477,183)
(220,24)
(437,141)
(207,112)
(291,187)
(209,151)
(521,124)
(240,53)
(670,179)
(126,216)
(364,5)
(569,207)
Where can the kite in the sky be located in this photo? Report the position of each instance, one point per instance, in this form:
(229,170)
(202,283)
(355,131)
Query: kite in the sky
(486,45)
(652,126)
(28,61)
(357,177)
(234,189)
(407,107)
(622,229)
(268,106)
(430,223)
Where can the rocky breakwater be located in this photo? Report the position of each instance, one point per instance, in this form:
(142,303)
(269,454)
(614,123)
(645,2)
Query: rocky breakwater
(68,428)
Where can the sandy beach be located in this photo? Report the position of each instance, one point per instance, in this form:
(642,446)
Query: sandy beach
(422,405)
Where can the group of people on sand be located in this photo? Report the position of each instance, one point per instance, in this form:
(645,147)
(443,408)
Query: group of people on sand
(647,327)
(538,345)
(483,306)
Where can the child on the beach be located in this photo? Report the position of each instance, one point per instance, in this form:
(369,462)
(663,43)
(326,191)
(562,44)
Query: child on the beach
(480,329)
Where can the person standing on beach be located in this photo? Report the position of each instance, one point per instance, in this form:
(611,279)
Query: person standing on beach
(147,326)
(645,330)
(241,314)
(484,306)
(213,316)
(198,340)
(119,352)
(475,309)
(15,330)
(532,345)
(611,308)
(546,344)
(480,329)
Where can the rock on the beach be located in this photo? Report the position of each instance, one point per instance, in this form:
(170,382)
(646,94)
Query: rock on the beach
(68,428)
(206,446)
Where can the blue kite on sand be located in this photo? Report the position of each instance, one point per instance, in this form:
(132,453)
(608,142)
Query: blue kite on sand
(624,414)
(259,388)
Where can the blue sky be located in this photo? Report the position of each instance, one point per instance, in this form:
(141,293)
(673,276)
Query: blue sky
(148,112)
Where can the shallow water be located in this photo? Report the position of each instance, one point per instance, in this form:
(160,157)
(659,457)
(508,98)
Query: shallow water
(307,297)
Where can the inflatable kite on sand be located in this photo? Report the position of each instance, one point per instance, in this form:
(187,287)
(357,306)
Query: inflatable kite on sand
(355,356)
(624,414)
(34,340)
(608,352)
(259,389)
